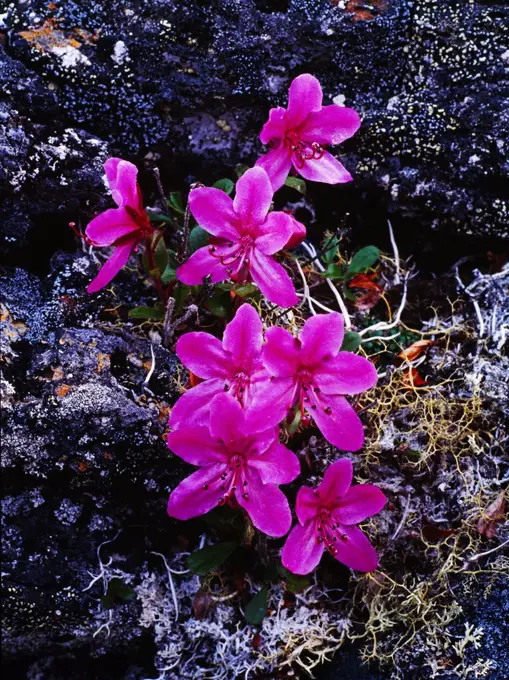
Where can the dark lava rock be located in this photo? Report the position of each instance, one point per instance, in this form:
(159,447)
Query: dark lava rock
(191,82)
(84,461)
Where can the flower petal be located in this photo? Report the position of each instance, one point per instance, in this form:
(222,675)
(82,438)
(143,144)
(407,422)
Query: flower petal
(331,125)
(193,407)
(275,233)
(321,337)
(302,551)
(197,494)
(121,176)
(243,336)
(304,96)
(214,212)
(272,280)
(360,501)
(110,226)
(280,354)
(265,504)
(112,266)
(342,427)
(277,164)
(203,354)
(356,551)
(298,233)
(200,265)
(278,465)
(345,373)
(336,482)
(275,127)
(253,196)
(227,419)
(196,446)
(306,505)
(326,169)
(270,404)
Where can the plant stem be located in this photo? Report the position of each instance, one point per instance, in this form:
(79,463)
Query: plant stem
(152,266)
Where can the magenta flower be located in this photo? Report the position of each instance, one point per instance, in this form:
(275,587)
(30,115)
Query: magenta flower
(124,227)
(299,134)
(246,236)
(327,518)
(235,467)
(313,374)
(233,365)
(298,235)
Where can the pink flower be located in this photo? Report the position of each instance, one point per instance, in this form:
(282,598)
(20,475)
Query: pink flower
(298,235)
(299,134)
(124,227)
(235,466)
(327,518)
(233,365)
(312,372)
(246,236)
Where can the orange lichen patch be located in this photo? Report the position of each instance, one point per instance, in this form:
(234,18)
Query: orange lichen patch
(62,390)
(11,329)
(82,466)
(164,412)
(365,10)
(103,361)
(48,36)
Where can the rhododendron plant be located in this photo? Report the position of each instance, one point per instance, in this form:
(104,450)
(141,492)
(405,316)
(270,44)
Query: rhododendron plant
(245,238)
(124,227)
(298,135)
(327,517)
(312,373)
(235,468)
(233,365)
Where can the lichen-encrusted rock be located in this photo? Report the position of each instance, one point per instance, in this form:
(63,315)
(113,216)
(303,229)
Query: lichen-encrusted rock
(50,172)
(84,458)
(193,83)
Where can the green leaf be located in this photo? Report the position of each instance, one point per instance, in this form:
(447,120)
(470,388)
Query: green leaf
(351,342)
(292,428)
(294,582)
(225,185)
(180,294)
(257,607)
(220,305)
(240,169)
(335,271)
(363,260)
(330,249)
(198,238)
(296,183)
(168,275)
(159,217)
(146,313)
(161,256)
(175,202)
(117,592)
(245,289)
(207,559)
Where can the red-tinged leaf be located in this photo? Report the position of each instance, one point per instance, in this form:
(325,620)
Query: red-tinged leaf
(494,513)
(433,532)
(201,604)
(412,378)
(256,641)
(368,301)
(415,349)
(366,282)
(194,380)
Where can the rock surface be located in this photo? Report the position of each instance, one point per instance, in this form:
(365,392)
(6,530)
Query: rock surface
(190,84)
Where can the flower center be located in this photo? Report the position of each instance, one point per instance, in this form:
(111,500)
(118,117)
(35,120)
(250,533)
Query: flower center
(304,151)
(141,220)
(329,531)
(233,255)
